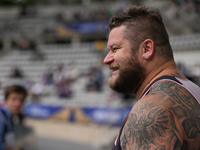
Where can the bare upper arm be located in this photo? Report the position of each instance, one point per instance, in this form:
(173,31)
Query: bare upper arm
(167,118)
(150,127)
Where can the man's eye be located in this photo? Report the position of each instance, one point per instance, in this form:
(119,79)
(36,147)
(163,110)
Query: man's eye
(115,49)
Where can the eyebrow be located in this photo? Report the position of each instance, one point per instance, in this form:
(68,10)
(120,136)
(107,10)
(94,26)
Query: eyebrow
(111,46)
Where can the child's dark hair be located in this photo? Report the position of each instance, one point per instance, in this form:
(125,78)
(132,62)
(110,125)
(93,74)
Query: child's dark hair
(15,89)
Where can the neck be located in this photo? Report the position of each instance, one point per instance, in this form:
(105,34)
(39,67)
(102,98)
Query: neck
(167,68)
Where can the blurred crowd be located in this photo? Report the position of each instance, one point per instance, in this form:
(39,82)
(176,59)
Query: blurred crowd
(192,73)
(174,8)
(62,79)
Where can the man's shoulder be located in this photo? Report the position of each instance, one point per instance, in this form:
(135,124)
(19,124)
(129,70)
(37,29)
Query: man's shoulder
(2,120)
(170,96)
(171,92)
(167,111)
(4,113)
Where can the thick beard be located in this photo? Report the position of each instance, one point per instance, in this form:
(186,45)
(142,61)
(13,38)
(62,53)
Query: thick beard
(129,78)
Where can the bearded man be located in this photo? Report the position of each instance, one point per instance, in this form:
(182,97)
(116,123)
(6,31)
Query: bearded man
(167,112)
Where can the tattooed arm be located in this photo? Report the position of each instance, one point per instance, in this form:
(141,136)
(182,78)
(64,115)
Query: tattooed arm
(150,128)
(167,118)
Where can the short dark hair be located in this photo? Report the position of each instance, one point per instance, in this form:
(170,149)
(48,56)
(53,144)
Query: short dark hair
(15,89)
(143,23)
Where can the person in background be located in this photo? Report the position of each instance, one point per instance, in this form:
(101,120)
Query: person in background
(15,96)
(95,77)
(16,73)
(62,81)
(167,112)
(47,77)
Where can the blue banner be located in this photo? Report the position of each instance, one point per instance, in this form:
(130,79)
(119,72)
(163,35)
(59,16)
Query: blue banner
(107,115)
(89,27)
(102,115)
(40,111)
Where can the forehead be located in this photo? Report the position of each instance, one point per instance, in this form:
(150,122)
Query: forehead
(116,36)
(16,95)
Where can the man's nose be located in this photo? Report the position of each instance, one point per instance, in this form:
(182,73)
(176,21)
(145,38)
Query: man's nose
(108,59)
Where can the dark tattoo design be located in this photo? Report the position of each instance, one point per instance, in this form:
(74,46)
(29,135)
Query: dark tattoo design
(176,74)
(170,119)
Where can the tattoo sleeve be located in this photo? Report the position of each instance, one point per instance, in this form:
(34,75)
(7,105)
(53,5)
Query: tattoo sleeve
(169,118)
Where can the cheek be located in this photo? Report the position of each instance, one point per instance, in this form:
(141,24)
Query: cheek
(125,63)
(9,102)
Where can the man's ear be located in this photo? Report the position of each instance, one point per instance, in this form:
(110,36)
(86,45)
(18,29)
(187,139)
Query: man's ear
(148,49)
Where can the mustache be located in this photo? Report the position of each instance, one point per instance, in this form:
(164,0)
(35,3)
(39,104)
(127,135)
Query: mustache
(112,66)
